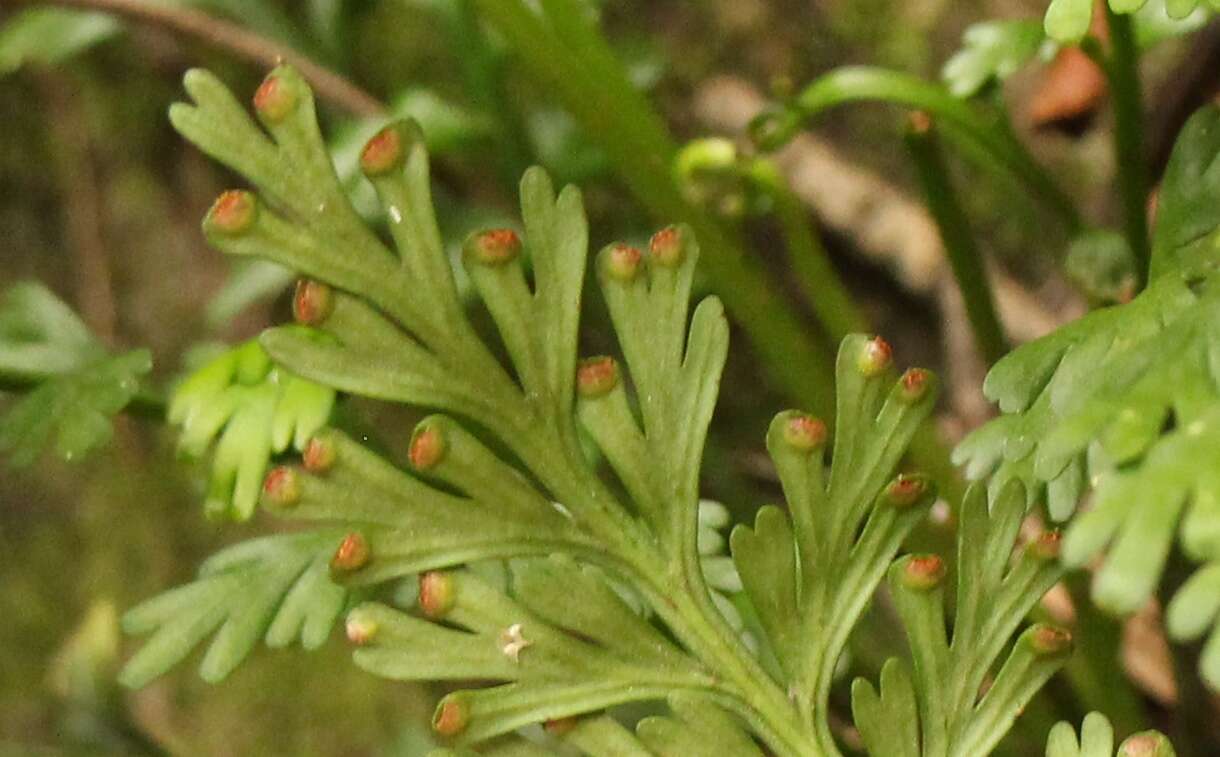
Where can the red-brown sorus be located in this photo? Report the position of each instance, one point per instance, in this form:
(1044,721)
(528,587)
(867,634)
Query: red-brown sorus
(451,717)
(313,302)
(1048,640)
(360,628)
(666,247)
(623,261)
(1047,545)
(282,487)
(436,593)
(560,726)
(914,384)
(923,572)
(804,432)
(596,376)
(875,357)
(427,446)
(382,153)
(319,455)
(905,490)
(233,212)
(495,247)
(274,99)
(353,553)
(1148,744)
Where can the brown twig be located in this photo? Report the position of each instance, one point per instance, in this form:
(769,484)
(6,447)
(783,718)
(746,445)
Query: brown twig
(82,205)
(246,44)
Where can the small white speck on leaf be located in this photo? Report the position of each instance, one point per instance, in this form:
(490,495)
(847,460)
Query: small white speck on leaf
(512,642)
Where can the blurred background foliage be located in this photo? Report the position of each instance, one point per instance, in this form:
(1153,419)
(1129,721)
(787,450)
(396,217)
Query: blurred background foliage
(101,201)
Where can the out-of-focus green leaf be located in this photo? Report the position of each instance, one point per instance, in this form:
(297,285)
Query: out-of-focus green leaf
(1068,20)
(991,50)
(249,282)
(40,336)
(1127,401)
(75,409)
(78,385)
(50,35)
(54,35)
(1101,263)
(1153,23)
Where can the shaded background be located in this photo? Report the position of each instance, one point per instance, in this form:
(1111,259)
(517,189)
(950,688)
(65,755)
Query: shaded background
(101,200)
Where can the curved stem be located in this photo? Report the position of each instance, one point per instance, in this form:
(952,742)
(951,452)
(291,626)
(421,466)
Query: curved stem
(960,119)
(676,589)
(828,296)
(751,692)
(240,41)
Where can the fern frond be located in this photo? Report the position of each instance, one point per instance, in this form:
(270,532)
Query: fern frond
(1127,401)
(956,716)
(744,649)
(79,386)
(275,588)
(810,572)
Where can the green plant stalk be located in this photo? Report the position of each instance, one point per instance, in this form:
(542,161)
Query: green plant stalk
(746,687)
(1094,672)
(1122,70)
(1193,717)
(965,259)
(959,120)
(482,74)
(573,61)
(828,297)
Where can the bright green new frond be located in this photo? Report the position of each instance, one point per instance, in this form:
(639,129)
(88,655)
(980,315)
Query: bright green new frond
(251,410)
(79,385)
(1097,740)
(275,588)
(994,594)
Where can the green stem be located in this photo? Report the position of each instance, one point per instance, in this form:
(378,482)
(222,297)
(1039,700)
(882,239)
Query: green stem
(754,694)
(1122,69)
(482,74)
(829,298)
(674,586)
(1095,672)
(960,120)
(965,259)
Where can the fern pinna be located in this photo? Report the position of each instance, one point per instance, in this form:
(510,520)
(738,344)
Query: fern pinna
(549,519)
